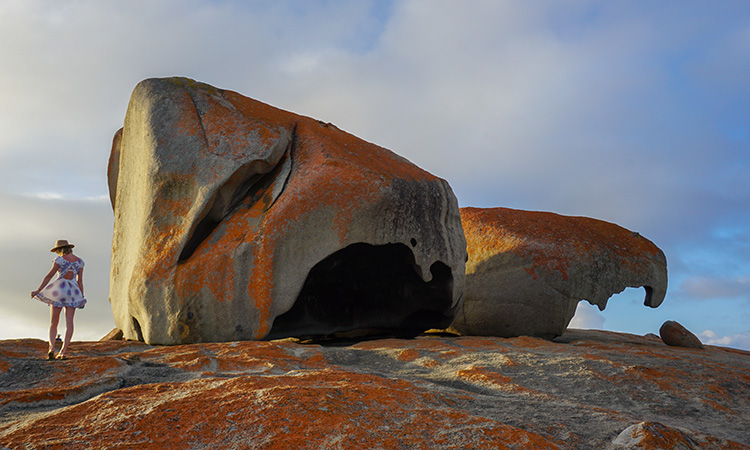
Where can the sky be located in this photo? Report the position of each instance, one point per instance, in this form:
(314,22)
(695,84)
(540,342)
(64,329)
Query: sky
(634,112)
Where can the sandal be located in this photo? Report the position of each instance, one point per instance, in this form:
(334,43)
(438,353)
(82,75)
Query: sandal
(50,355)
(61,356)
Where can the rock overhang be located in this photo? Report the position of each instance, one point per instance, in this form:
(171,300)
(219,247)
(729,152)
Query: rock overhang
(224,206)
(528,270)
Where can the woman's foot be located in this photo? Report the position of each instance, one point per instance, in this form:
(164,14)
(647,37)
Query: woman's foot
(51,355)
(61,355)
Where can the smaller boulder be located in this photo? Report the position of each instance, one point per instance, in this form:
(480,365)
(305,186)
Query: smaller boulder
(674,334)
(114,335)
(654,435)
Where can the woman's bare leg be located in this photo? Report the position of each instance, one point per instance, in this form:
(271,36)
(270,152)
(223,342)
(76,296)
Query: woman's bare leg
(69,314)
(54,319)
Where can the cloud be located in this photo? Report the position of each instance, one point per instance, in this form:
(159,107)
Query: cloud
(19,326)
(69,73)
(741,341)
(587,316)
(708,288)
(480,93)
(583,110)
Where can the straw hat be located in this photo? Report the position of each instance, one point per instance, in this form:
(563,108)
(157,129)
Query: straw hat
(60,244)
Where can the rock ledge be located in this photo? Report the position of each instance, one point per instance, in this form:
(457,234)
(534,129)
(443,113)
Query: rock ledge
(585,390)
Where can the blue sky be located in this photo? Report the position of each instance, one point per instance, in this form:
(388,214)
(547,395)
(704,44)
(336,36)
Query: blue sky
(634,112)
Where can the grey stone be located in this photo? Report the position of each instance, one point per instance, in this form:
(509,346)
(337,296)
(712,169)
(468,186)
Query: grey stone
(676,335)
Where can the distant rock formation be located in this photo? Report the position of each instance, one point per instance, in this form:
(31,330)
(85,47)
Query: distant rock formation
(236,220)
(528,270)
(674,334)
(585,390)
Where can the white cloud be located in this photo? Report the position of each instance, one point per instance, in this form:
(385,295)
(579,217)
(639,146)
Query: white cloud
(515,112)
(741,340)
(587,316)
(19,326)
(65,197)
(707,288)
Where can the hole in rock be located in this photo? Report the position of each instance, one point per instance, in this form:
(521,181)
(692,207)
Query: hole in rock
(367,287)
(619,312)
(138,332)
(649,295)
(587,316)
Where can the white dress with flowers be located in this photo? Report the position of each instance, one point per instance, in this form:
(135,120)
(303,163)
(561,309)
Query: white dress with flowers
(64,292)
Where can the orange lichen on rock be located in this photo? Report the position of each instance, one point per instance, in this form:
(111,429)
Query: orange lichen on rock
(475,342)
(551,242)
(529,342)
(496,380)
(224,205)
(408,355)
(486,393)
(292,406)
(528,270)
(63,384)
(657,436)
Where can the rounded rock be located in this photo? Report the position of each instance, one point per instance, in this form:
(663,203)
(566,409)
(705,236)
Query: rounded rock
(674,334)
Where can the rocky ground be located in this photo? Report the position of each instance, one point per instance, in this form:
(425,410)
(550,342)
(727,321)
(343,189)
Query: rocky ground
(587,390)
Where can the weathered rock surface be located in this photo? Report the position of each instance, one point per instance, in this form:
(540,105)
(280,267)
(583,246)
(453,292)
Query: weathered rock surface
(528,270)
(673,333)
(584,390)
(655,436)
(236,220)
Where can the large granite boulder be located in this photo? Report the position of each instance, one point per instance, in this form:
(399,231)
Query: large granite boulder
(235,220)
(528,270)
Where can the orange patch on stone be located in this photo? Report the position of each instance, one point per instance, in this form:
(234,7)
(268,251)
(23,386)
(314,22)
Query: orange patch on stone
(667,380)
(530,342)
(330,408)
(550,242)
(474,342)
(656,436)
(408,355)
(482,375)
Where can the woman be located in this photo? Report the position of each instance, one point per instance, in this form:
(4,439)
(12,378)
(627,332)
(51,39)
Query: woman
(64,292)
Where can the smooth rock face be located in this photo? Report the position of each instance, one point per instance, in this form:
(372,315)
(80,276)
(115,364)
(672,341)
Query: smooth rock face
(585,390)
(236,220)
(673,333)
(528,270)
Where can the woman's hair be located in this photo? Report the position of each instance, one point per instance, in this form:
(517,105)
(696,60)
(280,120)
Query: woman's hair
(64,250)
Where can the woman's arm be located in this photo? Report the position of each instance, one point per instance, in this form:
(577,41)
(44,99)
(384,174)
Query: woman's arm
(46,279)
(80,281)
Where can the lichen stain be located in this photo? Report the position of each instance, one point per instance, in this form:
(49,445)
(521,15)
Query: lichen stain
(551,242)
(332,169)
(477,374)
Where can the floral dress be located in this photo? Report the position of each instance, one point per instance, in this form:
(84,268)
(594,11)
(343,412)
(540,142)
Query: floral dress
(63,292)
